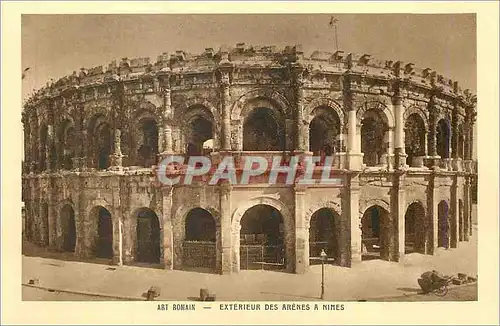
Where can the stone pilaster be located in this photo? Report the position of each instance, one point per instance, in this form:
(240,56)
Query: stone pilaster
(345,229)
(432,220)
(467,207)
(117,222)
(224,256)
(83,248)
(167,229)
(355,219)
(54,218)
(52,212)
(301,232)
(454,212)
(235,252)
(398,216)
(461,226)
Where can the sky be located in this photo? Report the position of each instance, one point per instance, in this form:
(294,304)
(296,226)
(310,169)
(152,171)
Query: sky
(56,45)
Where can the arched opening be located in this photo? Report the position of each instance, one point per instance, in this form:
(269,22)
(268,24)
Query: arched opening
(67,145)
(373,144)
(324,130)
(45,224)
(461,224)
(443,135)
(104,241)
(414,138)
(199,131)
(44,134)
(415,232)
(324,235)
(148,236)
(147,150)
(208,146)
(199,242)
(103,145)
(263,131)
(375,234)
(68,226)
(262,238)
(443,225)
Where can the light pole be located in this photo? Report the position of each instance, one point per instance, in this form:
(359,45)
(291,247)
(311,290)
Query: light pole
(323,258)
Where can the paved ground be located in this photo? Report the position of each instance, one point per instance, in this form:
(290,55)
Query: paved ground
(462,293)
(367,280)
(34,294)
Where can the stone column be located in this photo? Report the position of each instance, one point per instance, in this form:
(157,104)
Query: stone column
(45,150)
(466,140)
(226,106)
(426,144)
(167,229)
(390,145)
(340,145)
(117,157)
(354,216)
(51,164)
(301,232)
(301,127)
(289,134)
(471,137)
(454,133)
(399,143)
(166,130)
(81,162)
(353,142)
(432,161)
(224,257)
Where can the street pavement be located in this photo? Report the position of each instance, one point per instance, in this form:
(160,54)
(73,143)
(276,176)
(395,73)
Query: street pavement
(368,280)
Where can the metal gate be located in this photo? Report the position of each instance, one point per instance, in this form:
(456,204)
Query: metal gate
(199,254)
(265,257)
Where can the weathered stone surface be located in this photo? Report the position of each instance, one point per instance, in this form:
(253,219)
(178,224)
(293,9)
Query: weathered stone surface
(92,140)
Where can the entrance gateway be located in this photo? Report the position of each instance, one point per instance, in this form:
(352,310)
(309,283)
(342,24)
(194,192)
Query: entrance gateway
(262,239)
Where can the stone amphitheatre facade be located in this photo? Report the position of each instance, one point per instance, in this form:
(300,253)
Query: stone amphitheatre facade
(401,138)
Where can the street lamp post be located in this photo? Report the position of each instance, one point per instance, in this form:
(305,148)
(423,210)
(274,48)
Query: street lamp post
(323,258)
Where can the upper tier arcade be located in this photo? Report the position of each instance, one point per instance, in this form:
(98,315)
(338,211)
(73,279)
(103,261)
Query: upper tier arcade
(367,112)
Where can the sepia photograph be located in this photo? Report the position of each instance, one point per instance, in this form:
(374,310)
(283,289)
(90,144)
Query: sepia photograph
(249,162)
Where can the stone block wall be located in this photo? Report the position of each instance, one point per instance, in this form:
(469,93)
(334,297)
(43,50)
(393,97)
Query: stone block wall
(122,195)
